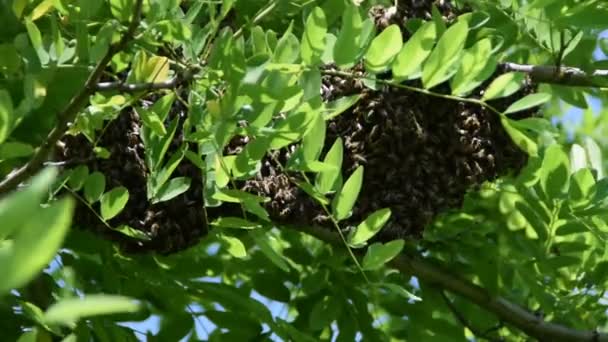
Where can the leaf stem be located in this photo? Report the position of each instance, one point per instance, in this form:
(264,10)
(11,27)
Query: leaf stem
(411,88)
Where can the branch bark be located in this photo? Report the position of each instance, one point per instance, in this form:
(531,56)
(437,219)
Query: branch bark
(71,110)
(565,76)
(508,312)
(185,77)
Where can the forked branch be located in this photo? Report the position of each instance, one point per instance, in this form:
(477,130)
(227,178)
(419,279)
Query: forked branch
(70,112)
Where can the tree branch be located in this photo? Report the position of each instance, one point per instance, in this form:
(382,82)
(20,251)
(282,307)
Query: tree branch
(187,75)
(566,76)
(71,110)
(507,311)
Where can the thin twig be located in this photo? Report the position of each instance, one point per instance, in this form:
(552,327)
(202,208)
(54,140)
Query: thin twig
(460,317)
(137,87)
(71,110)
(410,88)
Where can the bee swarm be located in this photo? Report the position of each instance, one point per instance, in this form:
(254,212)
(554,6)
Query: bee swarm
(420,153)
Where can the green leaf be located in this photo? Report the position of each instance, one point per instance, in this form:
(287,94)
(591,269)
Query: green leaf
(103,39)
(159,178)
(443,60)
(562,261)
(555,172)
(10,150)
(172,189)
(337,107)
(94,186)
(569,228)
(394,288)
(327,181)
(519,137)
(23,204)
(578,158)
(152,120)
(529,101)
(438,21)
(324,312)
(314,140)
(129,231)
(287,50)
(6,115)
(581,186)
(263,241)
(36,40)
(504,85)
(594,154)
(313,40)
(383,49)
(369,227)
(475,19)
(348,44)
(36,243)
(101,152)
(414,52)
(78,176)
(173,30)
(476,66)
(311,83)
(113,201)
(163,105)
(122,9)
(68,311)
(344,201)
(379,254)
(235,222)
(312,192)
(234,246)
(237,196)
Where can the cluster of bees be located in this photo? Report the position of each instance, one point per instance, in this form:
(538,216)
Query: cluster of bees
(169,226)
(421,154)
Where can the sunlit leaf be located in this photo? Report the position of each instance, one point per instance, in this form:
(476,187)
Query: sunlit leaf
(370,227)
(94,186)
(313,40)
(529,101)
(113,201)
(234,246)
(383,49)
(348,44)
(415,51)
(442,62)
(42,231)
(504,85)
(327,181)
(379,254)
(171,189)
(555,172)
(345,199)
(69,311)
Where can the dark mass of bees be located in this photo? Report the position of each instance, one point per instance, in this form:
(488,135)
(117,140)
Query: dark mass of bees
(421,154)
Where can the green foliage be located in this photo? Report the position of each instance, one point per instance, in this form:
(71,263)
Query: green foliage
(252,70)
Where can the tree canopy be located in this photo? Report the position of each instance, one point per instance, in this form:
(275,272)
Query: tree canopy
(303,170)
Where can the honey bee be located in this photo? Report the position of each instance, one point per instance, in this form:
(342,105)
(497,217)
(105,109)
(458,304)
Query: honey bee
(359,158)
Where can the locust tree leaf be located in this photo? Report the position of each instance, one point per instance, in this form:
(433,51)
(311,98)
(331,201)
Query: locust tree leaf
(345,199)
